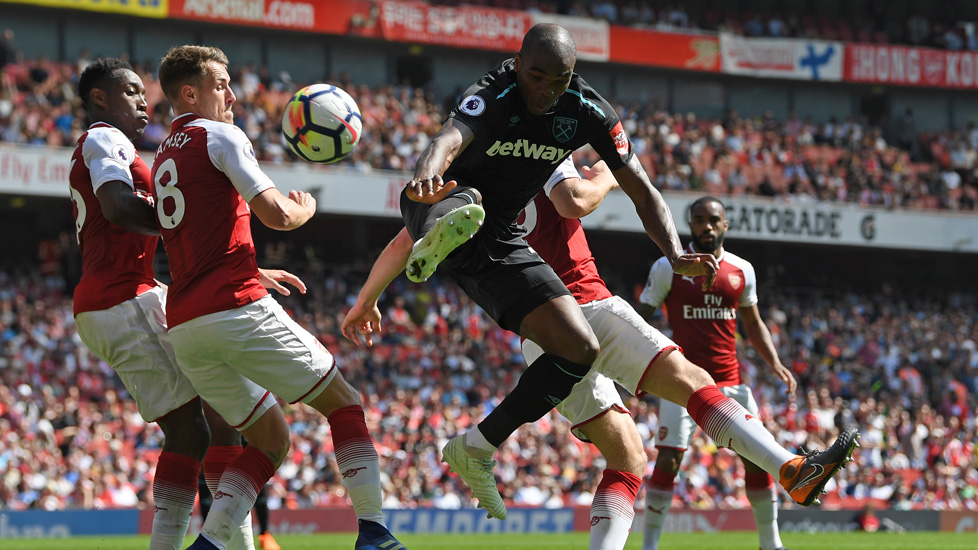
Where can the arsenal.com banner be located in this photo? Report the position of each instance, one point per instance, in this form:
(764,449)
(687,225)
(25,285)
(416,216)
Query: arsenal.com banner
(297,15)
(907,66)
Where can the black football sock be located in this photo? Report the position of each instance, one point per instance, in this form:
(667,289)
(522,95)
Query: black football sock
(206,499)
(544,384)
(261,510)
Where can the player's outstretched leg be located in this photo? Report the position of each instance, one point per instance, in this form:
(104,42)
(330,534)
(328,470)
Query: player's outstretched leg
(476,472)
(449,232)
(805,476)
(729,424)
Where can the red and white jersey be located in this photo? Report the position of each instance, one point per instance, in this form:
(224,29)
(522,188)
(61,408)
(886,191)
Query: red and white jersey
(117,265)
(205,174)
(705,323)
(561,242)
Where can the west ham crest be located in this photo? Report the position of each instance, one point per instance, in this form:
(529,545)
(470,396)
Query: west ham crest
(564,128)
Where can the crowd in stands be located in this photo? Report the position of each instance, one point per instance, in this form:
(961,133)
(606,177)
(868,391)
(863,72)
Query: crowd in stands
(901,367)
(951,26)
(794,159)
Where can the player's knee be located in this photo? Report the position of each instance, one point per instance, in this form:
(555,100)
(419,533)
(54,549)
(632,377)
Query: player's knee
(697,376)
(185,432)
(590,350)
(283,451)
(682,372)
(583,352)
(188,442)
(338,394)
(668,460)
(276,449)
(270,435)
(636,461)
(199,440)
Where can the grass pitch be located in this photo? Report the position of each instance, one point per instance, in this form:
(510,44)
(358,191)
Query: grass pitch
(728,540)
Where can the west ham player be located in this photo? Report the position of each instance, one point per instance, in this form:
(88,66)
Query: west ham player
(634,354)
(705,325)
(119,306)
(497,148)
(227,331)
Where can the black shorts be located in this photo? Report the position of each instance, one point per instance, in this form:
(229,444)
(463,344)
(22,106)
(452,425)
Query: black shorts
(506,277)
(507,291)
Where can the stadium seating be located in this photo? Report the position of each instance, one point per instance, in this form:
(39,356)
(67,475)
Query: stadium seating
(677,150)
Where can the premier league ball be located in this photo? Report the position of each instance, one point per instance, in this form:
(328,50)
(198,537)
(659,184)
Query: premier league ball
(322,123)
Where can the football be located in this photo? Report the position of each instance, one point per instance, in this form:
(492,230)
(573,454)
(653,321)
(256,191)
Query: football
(321,123)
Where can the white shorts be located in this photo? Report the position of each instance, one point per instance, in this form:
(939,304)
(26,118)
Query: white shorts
(131,338)
(676,426)
(628,346)
(233,356)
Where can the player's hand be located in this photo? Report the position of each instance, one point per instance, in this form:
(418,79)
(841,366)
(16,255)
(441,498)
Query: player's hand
(694,265)
(785,375)
(272,279)
(303,199)
(361,321)
(598,169)
(429,190)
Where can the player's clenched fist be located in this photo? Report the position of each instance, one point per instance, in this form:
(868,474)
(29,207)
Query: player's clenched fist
(303,199)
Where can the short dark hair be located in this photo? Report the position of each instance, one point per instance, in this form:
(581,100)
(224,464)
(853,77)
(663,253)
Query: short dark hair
(707,200)
(552,38)
(98,74)
(187,65)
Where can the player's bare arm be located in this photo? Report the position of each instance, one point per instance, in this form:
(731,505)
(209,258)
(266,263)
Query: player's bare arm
(272,279)
(760,338)
(427,186)
(126,209)
(277,211)
(575,198)
(364,317)
(660,226)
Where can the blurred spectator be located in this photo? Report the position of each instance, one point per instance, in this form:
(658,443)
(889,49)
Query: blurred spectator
(868,520)
(9,54)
